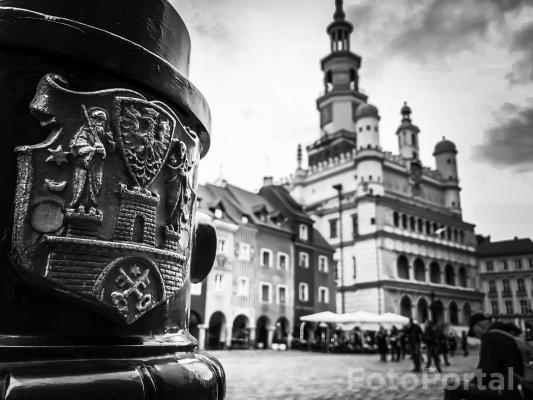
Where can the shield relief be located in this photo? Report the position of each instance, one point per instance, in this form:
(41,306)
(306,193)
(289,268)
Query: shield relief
(104,205)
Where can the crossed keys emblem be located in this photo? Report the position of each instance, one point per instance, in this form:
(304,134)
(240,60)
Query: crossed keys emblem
(133,284)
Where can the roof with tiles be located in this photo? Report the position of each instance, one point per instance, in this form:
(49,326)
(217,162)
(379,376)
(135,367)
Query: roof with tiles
(238,203)
(512,247)
(279,196)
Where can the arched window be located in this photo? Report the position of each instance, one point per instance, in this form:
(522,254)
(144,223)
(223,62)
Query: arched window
(420,225)
(463,278)
(404,221)
(420,270)
(402,267)
(422,310)
(353,79)
(396,218)
(406,307)
(449,274)
(328,81)
(412,224)
(138,229)
(454,313)
(434,272)
(428,228)
(467,311)
(437,311)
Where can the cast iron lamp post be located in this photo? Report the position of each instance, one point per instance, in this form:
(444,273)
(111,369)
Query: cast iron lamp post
(100,141)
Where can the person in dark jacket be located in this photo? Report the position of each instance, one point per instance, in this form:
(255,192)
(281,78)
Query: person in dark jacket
(442,343)
(432,339)
(464,343)
(499,361)
(403,342)
(452,343)
(381,339)
(413,334)
(394,339)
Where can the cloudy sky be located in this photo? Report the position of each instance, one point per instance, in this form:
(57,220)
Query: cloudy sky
(464,66)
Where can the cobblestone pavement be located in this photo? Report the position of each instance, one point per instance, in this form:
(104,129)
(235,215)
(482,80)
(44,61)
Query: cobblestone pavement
(291,375)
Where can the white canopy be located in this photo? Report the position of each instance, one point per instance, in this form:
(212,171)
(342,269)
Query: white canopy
(359,317)
(325,316)
(371,322)
(363,319)
(390,319)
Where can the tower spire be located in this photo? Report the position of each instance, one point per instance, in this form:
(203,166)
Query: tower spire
(339,30)
(339,11)
(299,156)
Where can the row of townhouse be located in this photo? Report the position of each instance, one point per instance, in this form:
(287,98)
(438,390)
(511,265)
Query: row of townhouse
(506,275)
(271,267)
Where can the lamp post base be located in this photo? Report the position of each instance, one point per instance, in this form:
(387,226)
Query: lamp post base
(108,372)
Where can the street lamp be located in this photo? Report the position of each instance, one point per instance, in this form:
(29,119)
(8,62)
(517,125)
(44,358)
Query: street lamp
(338,188)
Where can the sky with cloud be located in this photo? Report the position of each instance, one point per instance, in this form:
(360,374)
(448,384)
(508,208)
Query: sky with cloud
(464,66)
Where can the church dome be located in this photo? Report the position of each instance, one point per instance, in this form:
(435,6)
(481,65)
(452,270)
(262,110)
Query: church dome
(367,110)
(445,146)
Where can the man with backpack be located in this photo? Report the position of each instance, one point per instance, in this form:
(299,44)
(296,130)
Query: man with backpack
(500,367)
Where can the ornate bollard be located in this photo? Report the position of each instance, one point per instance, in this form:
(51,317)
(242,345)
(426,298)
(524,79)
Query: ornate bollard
(101,136)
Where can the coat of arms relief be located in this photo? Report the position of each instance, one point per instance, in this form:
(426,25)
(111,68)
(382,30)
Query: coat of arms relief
(104,205)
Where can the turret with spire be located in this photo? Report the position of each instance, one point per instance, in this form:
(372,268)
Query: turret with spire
(339,11)
(338,104)
(408,135)
(340,29)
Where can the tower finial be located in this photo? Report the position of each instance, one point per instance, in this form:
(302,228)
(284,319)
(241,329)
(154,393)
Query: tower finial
(406,112)
(339,11)
(299,156)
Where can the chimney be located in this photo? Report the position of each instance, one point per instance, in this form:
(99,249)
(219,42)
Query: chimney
(268,181)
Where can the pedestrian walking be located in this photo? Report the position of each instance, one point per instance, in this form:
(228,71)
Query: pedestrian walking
(432,339)
(414,339)
(381,339)
(464,344)
(452,343)
(442,343)
(395,344)
(403,342)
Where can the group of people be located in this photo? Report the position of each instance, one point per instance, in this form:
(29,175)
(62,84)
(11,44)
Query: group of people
(437,340)
(505,367)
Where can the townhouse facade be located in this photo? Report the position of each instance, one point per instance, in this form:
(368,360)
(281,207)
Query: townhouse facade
(250,299)
(506,275)
(314,278)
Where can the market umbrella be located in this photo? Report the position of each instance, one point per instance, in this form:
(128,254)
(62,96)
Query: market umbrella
(390,319)
(324,316)
(364,319)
